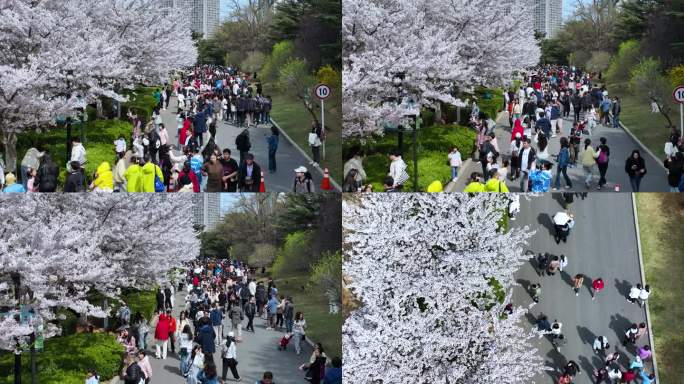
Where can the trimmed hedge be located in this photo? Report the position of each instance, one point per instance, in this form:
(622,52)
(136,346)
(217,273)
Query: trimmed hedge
(66,359)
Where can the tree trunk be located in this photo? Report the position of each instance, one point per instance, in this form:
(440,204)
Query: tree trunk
(17,296)
(662,112)
(34,372)
(9,140)
(100,110)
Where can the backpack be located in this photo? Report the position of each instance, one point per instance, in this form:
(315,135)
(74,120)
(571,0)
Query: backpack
(602,158)
(158,184)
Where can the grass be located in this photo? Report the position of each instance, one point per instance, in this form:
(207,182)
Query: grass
(434,144)
(294,119)
(648,127)
(66,359)
(322,327)
(661,226)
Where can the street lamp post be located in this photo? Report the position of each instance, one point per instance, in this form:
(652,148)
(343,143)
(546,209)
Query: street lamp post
(398,81)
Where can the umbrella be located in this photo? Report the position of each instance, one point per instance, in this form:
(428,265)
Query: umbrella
(561,218)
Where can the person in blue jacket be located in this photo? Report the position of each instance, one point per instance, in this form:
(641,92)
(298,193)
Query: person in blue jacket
(563,162)
(272,148)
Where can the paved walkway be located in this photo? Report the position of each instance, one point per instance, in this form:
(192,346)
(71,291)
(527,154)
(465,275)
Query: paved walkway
(621,146)
(602,244)
(288,157)
(257,353)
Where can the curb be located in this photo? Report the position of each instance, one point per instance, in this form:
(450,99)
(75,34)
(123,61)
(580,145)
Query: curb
(645,148)
(643,281)
(332,181)
(451,187)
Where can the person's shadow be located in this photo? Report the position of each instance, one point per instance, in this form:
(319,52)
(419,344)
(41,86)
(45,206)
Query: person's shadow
(545,220)
(619,324)
(586,335)
(623,286)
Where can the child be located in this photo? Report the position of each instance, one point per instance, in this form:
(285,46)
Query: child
(30,184)
(282,344)
(455,162)
(120,145)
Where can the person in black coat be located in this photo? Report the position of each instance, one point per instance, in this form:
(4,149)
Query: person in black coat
(675,167)
(635,166)
(75,180)
(243,144)
(47,174)
(160,300)
(249,176)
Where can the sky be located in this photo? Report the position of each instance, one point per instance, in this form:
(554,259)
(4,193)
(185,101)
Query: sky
(227,201)
(568,8)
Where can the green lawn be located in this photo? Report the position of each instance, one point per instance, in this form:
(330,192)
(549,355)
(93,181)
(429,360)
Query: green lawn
(649,127)
(661,226)
(434,144)
(294,119)
(321,326)
(66,359)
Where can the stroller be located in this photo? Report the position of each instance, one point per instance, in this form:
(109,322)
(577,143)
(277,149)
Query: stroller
(284,341)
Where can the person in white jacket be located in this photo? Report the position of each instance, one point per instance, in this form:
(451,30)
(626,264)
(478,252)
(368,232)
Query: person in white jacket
(454,162)
(229,357)
(397,170)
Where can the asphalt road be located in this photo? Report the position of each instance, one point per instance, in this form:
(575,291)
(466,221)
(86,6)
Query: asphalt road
(257,353)
(621,146)
(602,244)
(288,157)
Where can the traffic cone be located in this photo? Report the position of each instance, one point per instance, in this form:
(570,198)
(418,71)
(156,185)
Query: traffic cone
(262,186)
(325,183)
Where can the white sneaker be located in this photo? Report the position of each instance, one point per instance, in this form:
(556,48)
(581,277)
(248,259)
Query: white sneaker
(454,179)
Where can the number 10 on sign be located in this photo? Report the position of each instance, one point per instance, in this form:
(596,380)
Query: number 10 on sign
(322,92)
(678,96)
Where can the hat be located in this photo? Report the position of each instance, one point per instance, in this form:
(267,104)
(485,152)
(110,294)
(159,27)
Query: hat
(517,135)
(301,169)
(10,178)
(231,334)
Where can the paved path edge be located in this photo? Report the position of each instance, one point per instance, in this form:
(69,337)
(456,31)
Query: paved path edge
(451,187)
(306,155)
(645,148)
(643,281)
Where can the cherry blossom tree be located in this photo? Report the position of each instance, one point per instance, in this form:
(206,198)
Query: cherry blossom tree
(423,269)
(56,56)
(56,250)
(439,47)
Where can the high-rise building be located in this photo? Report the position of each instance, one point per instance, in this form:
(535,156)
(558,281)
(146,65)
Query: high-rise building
(204,14)
(207,209)
(548,16)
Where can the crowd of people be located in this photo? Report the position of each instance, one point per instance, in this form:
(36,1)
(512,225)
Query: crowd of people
(220,297)
(616,366)
(188,159)
(539,113)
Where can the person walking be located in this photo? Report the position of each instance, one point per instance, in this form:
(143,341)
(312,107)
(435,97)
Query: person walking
(644,293)
(197,365)
(272,148)
(635,167)
(613,359)
(631,335)
(229,357)
(315,143)
(145,366)
(186,342)
(216,317)
(602,160)
(527,159)
(397,170)
(299,330)
(250,312)
(617,108)
(161,334)
(535,292)
(563,163)
(454,162)
(634,293)
(600,345)
(172,330)
(577,283)
(236,316)
(588,159)
(596,286)
(132,372)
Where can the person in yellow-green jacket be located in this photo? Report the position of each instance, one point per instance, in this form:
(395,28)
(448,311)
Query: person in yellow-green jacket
(435,187)
(104,178)
(149,171)
(133,176)
(494,184)
(474,185)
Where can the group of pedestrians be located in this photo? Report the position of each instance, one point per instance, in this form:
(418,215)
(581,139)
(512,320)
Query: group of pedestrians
(616,366)
(221,297)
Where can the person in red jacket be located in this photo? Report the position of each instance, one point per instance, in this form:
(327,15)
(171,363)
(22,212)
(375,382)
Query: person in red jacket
(195,281)
(596,286)
(187,180)
(161,334)
(172,330)
(517,128)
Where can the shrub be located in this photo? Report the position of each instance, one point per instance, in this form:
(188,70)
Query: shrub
(326,276)
(253,62)
(676,75)
(627,57)
(282,52)
(295,255)
(599,61)
(144,302)
(329,76)
(66,359)
(263,255)
(294,79)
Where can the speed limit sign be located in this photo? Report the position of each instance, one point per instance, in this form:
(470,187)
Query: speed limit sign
(678,94)
(322,91)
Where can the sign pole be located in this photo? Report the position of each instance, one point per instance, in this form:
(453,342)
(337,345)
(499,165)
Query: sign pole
(678,97)
(323,125)
(681,120)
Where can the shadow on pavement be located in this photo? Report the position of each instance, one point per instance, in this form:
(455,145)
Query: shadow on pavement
(586,335)
(586,365)
(525,284)
(173,369)
(557,360)
(619,324)
(545,220)
(623,287)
